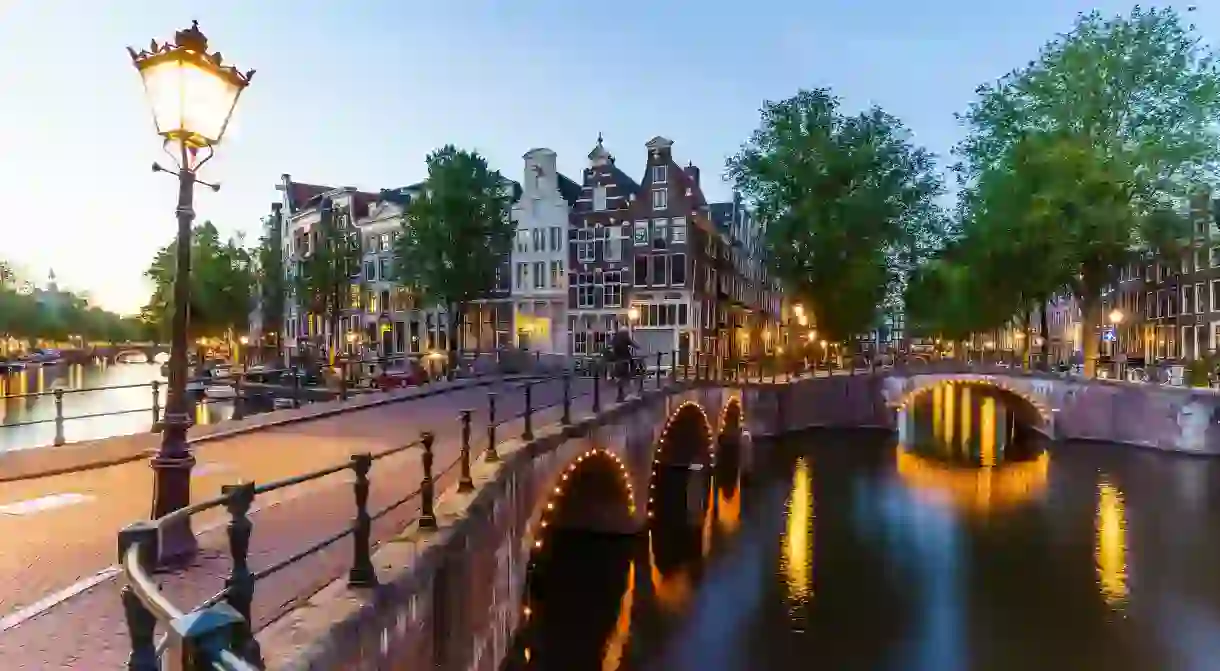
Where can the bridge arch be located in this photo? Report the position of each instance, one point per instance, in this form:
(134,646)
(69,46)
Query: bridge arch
(686,438)
(593,492)
(731,415)
(1028,407)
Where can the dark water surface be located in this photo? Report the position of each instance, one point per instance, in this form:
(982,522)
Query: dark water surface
(973,547)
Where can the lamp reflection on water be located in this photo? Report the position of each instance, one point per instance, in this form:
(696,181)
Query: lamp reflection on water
(1110,550)
(796,560)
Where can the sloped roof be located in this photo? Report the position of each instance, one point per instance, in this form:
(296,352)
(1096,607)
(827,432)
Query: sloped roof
(569,189)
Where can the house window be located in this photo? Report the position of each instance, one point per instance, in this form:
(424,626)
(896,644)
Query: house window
(385,242)
(659,270)
(539,275)
(585,250)
(539,237)
(640,236)
(1200,258)
(677,270)
(523,240)
(677,233)
(599,199)
(660,234)
(1215,295)
(556,274)
(1188,301)
(613,244)
(1186,262)
(584,290)
(580,342)
(1200,298)
(556,238)
(640,272)
(370,271)
(613,281)
(383,268)
(658,174)
(660,199)
(1148,302)
(523,273)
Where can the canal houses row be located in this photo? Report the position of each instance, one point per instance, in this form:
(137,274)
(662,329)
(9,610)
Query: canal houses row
(590,256)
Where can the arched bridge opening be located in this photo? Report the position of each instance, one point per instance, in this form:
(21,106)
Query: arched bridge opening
(582,562)
(727,459)
(1028,410)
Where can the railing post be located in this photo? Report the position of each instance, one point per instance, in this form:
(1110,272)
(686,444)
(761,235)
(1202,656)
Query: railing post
(343,384)
(362,573)
(567,399)
(673,366)
(527,433)
(141,622)
(466,483)
(156,406)
(240,583)
(238,409)
(658,370)
(491,456)
(296,389)
(59,417)
(639,381)
(427,513)
(597,387)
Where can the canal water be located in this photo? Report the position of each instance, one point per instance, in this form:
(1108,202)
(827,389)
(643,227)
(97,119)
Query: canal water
(27,403)
(976,546)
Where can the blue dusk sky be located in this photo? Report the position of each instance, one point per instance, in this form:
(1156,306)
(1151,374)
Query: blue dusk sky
(356,93)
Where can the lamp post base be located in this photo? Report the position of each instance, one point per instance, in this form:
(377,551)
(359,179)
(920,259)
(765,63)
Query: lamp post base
(172,491)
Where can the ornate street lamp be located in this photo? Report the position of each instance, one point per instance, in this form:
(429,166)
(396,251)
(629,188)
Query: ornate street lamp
(192,95)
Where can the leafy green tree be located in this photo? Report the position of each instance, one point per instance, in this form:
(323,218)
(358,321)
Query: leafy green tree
(269,271)
(36,315)
(456,234)
(325,276)
(1104,135)
(848,201)
(222,284)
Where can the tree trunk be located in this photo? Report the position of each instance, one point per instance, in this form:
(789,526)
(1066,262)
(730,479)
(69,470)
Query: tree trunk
(454,326)
(1090,319)
(1045,329)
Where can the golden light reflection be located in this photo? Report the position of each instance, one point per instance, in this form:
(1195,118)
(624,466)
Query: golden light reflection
(976,490)
(617,643)
(796,561)
(987,435)
(1110,550)
(203,414)
(673,591)
(728,507)
(950,413)
(967,416)
(938,404)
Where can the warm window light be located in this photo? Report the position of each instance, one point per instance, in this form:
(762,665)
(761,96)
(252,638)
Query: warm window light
(1116,316)
(798,310)
(192,93)
(633,313)
(811,335)
(802,320)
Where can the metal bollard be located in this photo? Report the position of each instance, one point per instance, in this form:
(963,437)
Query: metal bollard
(343,386)
(528,432)
(491,456)
(466,483)
(156,406)
(427,512)
(59,417)
(238,403)
(597,388)
(296,390)
(362,573)
(240,583)
(567,400)
(639,380)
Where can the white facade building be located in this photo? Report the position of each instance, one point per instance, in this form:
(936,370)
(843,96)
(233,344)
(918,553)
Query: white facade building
(540,255)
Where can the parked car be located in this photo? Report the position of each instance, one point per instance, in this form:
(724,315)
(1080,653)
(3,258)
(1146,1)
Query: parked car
(400,378)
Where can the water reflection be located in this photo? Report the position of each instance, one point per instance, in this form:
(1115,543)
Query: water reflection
(796,560)
(27,403)
(1111,546)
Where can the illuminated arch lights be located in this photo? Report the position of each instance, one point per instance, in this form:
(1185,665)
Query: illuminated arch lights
(560,491)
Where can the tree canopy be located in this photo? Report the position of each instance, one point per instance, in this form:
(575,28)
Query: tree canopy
(1079,163)
(456,234)
(41,315)
(848,201)
(222,285)
(323,279)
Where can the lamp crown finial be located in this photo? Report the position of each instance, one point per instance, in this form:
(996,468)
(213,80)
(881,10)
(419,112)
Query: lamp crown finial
(192,38)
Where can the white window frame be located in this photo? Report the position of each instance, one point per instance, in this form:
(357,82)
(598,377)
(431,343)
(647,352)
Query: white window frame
(539,274)
(660,173)
(660,199)
(1200,298)
(612,249)
(599,198)
(612,278)
(586,251)
(677,231)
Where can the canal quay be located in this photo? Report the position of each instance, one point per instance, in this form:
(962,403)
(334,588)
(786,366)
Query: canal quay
(978,545)
(110,399)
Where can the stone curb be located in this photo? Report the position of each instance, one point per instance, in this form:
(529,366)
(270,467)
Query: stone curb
(31,463)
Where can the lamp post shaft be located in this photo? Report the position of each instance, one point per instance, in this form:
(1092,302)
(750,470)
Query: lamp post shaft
(173,462)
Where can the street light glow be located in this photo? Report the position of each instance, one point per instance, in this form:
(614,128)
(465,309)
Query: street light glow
(192,93)
(633,313)
(802,320)
(1116,316)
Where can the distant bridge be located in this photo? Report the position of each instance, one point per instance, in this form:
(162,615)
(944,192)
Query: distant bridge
(113,351)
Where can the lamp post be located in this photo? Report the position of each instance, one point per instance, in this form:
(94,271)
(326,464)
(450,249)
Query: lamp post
(192,95)
(1116,318)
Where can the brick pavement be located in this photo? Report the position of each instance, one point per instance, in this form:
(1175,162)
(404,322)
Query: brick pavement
(87,631)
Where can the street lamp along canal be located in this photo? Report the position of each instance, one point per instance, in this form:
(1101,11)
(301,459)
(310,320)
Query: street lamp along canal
(192,94)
